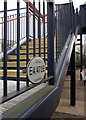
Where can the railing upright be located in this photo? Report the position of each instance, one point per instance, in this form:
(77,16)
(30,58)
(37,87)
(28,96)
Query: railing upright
(5,50)
(44,30)
(13,32)
(50,27)
(27,37)
(39,29)
(34,42)
(18,45)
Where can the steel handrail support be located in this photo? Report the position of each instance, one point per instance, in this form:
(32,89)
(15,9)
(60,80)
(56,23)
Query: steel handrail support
(66,52)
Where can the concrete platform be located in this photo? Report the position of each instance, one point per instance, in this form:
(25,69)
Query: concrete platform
(64,110)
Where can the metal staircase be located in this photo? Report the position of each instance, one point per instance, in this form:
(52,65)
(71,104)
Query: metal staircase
(57,49)
(12,60)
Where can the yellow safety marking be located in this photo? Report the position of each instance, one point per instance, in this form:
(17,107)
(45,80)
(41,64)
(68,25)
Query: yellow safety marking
(31,46)
(14,64)
(24,51)
(31,51)
(24,56)
(42,38)
(13,74)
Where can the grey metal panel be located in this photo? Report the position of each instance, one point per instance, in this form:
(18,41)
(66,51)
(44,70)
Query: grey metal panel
(65,22)
(83,15)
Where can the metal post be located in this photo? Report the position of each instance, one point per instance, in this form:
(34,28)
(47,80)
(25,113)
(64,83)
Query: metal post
(50,27)
(81,54)
(34,42)
(10,34)
(39,30)
(27,36)
(56,37)
(73,79)
(44,30)
(8,42)
(5,50)
(18,45)
(13,31)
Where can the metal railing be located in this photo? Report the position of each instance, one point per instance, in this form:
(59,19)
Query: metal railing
(56,62)
(12,26)
(14,29)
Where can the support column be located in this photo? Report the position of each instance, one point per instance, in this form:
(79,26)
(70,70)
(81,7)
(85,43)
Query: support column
(5,51)
(50,27)
(81,55)
(73,79)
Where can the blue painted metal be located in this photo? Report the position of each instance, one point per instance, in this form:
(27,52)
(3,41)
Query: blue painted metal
(73,79)
(34,40)
(44,31)
(39,29)
(81,55)
(5,50)
(18,45)
(57,63)
(27,37)
(50,27)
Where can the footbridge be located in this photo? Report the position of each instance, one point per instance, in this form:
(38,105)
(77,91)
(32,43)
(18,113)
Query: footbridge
(37,49)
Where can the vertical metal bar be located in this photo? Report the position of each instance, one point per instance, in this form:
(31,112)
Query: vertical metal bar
(8,35)
(24,26)
(2,37)
(18,45)
(13,31)
(39,30)
(56,36)
(27,37)
(73,79)
(44,29)
(34,42)
(50,27)
(5,50)
(81,54)
(10,32)
(21,27)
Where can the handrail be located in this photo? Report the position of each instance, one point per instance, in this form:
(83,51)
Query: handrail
(15,19)
(14,47)
(65,55)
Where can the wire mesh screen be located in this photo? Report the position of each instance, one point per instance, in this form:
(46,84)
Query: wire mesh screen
(63,13)
(83,15)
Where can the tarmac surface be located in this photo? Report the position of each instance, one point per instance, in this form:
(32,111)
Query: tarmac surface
(64,110)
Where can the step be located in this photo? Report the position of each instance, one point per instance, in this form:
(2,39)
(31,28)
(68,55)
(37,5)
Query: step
(14,64)
(24,51)
(37,53)
(31,46)
(14,60)
(37,44)
(24,48)
(30,51)
(42,39)
(13,73)
(24,56)
(21,56)
(13,68)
